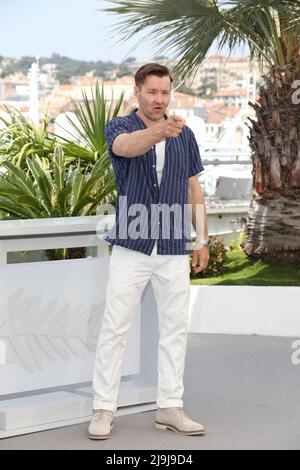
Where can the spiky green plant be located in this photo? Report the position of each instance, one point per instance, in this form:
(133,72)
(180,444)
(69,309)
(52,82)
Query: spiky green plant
(54,190)
(21,138)
(92,116)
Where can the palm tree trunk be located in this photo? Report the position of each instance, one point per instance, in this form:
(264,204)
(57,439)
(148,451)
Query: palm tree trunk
(273,223)
(273,229)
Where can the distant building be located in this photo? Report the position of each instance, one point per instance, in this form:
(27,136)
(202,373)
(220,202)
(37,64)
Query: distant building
(232,96)
(14,87)
(186,105)
(219,71)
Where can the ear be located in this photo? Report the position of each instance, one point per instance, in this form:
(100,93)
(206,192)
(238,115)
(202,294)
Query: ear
(136,91)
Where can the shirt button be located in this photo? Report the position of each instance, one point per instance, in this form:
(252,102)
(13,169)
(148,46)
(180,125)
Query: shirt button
(153,166)
(154,185)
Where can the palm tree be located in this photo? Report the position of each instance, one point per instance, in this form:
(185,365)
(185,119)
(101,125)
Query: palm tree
(271,31)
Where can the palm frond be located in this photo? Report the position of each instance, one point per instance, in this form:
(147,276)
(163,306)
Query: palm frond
(21,138)
(42,180)
(91,117)
(188,28)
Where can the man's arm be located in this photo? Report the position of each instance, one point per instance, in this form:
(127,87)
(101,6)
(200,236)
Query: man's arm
(199,220)
(137,143)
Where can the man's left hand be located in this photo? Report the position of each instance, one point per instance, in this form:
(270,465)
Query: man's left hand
(200,256)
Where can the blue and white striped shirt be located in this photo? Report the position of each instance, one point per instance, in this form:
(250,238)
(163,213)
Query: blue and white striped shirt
(140,216)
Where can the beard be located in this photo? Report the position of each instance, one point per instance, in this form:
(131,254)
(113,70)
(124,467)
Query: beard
(155,115)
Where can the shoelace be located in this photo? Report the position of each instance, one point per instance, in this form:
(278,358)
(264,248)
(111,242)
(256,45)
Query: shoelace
(181,413)
(100,413)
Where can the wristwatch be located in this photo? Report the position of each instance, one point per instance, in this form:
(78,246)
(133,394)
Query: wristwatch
(206,242)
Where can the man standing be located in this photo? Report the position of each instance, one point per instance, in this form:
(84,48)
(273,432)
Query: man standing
(156,162)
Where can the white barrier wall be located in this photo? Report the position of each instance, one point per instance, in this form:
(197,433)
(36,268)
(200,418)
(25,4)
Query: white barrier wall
(50,316)
(245,310)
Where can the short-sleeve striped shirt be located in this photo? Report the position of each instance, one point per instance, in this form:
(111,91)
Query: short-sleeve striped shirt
(145,211)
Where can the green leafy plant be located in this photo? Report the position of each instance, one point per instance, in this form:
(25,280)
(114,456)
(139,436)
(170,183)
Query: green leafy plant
(92,116)
(243,235)
(21,138)
(234,245)
(54,191)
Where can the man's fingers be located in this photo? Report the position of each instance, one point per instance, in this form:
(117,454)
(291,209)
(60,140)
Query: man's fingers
(176,129)
(178,125)
(177,119)
(174,132)
(175,124)
(194,259)
(201,266)
(203,262)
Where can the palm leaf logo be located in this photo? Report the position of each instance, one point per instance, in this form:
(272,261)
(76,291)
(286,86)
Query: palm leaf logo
(32,328)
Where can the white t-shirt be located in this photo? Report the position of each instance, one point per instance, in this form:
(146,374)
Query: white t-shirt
(160,161)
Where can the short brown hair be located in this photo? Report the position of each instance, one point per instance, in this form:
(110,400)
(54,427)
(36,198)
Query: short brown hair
(151,69)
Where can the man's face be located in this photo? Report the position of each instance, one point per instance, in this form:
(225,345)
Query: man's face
(154,96)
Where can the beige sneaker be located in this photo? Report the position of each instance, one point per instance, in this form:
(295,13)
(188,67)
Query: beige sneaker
(101,425)
(176,420)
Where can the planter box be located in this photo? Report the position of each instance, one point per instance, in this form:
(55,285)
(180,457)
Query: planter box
(50,316)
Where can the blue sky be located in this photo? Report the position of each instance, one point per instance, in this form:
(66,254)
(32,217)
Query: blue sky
(75,28)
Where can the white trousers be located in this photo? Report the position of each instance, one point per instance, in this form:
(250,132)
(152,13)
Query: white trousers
(129,272)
